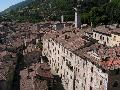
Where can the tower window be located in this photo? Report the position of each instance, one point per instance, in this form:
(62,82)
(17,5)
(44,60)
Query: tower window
(115,84)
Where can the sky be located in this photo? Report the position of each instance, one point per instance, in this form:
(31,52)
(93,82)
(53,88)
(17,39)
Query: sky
(4,4)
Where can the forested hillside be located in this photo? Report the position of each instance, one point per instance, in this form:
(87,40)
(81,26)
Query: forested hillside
(96,11)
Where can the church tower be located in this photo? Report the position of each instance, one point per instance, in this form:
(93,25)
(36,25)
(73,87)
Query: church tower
(77,15)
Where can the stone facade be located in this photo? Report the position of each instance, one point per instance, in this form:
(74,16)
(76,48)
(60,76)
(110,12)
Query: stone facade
(81,62)
(76,73)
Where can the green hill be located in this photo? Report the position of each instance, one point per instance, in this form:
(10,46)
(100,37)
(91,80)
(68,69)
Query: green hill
(14,7)
(97,11)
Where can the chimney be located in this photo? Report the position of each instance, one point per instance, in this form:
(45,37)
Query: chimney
(77,19)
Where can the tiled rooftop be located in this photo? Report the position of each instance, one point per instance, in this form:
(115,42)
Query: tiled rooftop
(75,43)
(69,38)
(107,30)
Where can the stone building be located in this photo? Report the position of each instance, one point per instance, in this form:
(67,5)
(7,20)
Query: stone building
(107,36)
(79,61)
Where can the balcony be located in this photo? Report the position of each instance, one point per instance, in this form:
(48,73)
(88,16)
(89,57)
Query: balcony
(69,66)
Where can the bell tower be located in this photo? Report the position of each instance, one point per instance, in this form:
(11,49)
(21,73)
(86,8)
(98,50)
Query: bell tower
(77,14)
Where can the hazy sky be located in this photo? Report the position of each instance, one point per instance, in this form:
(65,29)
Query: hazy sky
(4,4)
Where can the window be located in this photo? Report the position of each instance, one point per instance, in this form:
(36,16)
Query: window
(53,44)
(70,54)
(84,75)
(117,71)
(57,71)
(67,73)
(85,80)
(101,37)
(58,51)
(61,67)
(62,61)
(84,87)
(70,77)
(78,61)
(61,75)
(64,58)
(48,46)
(58,58)
(53,50)
(50,51)
(90,88)
(107,39)
(52,64)
(114,39)
(115,84)
(83,64)
(59,45)
(92,69)
(76,69)
(82,84)
(100,82)
(69,62)
(91,79)
(95,35)
(64,50)
(67,52)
